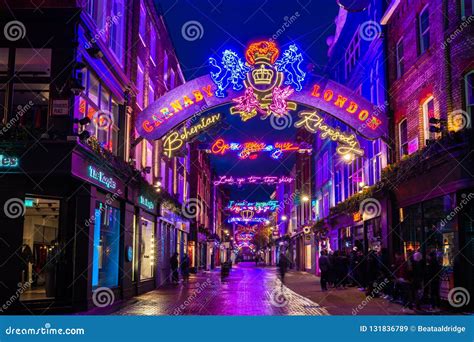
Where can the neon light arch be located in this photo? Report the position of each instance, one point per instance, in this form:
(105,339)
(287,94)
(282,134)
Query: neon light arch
(207,93)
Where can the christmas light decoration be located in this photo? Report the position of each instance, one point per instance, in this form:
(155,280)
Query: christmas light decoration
(268,180)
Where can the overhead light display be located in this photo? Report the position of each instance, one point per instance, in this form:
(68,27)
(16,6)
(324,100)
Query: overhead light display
(257,207)
(267,180)
(250,149)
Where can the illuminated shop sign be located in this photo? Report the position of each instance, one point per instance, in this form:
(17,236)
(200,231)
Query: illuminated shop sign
(251,149)
(268,180)
(347,144)
(176,139)
(267,83)
(7,162)
(101,177)
(257,207)
(145,202)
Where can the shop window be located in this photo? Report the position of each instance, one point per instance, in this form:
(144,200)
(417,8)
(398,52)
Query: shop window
(31,99)
(147,249)
(467,7)
(307,258)
(403,137)
(400,58)
(105,263)
(40,253)
(423,30)
(469,86)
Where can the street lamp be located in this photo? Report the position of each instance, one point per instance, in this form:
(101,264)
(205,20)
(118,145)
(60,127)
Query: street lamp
(284,218)
(305,198)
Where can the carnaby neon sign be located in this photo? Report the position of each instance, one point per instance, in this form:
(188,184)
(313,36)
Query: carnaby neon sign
(268,180)
(176,139)
(267,83)
(240,219)
(252,148)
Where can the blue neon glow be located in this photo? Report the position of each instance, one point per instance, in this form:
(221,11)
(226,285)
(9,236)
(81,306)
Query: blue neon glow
(289,64)
(96,251)
(230,71)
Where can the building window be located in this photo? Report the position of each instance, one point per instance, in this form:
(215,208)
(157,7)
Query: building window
(376,162)
(117,29)
(468,84)
(428,113)
(400,59)
(105,262)
(142,27)
(153,45)
(424,30)
(403,136)
(338,186)
(140,83)
(352,53)
(467,7)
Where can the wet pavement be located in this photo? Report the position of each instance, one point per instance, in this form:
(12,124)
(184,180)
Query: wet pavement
(248,290)
(251,290)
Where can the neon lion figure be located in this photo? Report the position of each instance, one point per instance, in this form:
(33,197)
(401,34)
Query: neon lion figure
(290,65)
(232,71)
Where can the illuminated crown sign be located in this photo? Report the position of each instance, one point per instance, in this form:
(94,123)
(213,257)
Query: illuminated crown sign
(262,50)
(262,75)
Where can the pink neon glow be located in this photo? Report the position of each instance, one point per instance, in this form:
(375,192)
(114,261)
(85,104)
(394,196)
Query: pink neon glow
(279,96)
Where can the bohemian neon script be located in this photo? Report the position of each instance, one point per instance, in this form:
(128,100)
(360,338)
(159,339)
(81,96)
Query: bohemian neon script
(257,207)
(269,180)
(175,140)
(253,219)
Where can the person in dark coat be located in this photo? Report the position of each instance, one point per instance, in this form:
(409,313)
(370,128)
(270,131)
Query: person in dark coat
(185,268)
(324,267)
(174,263)
(433,272)
(371,272)
(283,264)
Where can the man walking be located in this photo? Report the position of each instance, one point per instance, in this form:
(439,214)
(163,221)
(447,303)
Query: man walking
(324,267)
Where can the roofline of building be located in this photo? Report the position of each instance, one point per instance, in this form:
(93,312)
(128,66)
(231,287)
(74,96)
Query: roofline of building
(389,12)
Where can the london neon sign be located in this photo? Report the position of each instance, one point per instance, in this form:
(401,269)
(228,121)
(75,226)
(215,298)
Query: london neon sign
(267,180)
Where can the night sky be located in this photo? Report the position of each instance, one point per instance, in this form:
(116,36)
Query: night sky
(234,24)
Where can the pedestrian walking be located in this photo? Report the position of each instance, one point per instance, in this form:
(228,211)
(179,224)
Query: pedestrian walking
(324,267)
(174,263)
(185,268)
(433,272)
(283,264)
(372,272)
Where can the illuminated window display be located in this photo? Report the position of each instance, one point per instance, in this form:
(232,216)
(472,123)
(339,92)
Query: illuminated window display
(105,265)
(147,249)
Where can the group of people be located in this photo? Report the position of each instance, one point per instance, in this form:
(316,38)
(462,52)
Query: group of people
(406,281)
(175,266)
